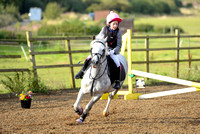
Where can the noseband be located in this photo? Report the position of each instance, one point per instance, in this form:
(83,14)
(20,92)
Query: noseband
(100,56)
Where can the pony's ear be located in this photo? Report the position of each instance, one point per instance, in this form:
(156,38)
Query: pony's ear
(105,39)
(92,43)
(93,37)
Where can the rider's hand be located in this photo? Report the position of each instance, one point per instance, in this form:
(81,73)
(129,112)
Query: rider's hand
(111,52)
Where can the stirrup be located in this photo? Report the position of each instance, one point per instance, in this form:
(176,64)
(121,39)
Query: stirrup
(79,75)
(117,84)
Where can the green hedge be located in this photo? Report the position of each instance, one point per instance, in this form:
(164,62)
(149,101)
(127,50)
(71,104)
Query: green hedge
(150,28)
(72,27)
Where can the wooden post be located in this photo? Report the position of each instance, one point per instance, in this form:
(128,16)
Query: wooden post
(147,53)
(177,52)
(31,50)
(189,57)
(68,48)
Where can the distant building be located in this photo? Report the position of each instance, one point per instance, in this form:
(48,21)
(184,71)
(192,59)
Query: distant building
(98,15)
(35,14)
(91,15)
(126,24)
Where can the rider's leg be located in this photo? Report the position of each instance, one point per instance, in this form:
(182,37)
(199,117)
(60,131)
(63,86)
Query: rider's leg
(117,81)
(80,74)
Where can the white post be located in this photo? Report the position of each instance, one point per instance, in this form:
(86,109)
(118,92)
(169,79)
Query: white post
(24,52)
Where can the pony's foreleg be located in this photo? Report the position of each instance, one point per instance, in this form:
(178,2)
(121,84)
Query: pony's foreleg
(77,108)
(111,95)
(88,108)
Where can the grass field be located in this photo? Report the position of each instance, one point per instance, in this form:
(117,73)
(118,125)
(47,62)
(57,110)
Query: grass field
(190,24)
(58,78)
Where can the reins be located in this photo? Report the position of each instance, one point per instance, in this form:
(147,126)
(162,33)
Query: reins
(94,78)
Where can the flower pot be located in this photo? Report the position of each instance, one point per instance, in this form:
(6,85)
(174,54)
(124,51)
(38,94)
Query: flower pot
(26,104)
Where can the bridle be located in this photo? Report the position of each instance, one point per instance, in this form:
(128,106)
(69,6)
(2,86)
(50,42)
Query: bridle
(100,57)
(98,54)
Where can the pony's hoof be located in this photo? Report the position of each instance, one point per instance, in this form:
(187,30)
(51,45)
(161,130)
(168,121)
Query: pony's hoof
(105,113)
(79,121)
(79,111)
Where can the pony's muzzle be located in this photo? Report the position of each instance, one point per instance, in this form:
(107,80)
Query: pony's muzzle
(95,61)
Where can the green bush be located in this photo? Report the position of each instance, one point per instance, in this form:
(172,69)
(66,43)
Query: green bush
(189,5)
(151,28)
(143,7)
(144,28)
(162,8)
(4,34)
(72,27)
(164,29)
(179,28)
(23,82)
(36,85)
(12,10)
(6,19)
(15,84)
(93,30)
(52,11)
(47,30)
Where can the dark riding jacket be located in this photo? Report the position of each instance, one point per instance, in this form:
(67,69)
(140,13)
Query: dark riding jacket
(114,38)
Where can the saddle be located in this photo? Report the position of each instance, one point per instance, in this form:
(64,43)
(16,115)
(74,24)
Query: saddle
(112,70)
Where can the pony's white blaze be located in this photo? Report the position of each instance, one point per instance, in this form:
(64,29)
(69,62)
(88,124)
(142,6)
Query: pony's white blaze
(96,80)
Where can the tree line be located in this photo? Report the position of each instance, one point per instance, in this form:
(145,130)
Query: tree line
(85,6)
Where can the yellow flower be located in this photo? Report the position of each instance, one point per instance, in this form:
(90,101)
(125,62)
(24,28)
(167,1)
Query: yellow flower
(22,97)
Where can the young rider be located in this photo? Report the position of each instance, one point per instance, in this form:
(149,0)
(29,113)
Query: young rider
(114,40)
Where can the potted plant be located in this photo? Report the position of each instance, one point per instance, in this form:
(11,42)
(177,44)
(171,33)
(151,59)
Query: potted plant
(25,99)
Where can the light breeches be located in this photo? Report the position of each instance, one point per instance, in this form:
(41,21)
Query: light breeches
(115,59)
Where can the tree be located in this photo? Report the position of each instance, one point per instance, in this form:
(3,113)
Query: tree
(52,11)
(27,4)
(178,3)
(162,7)
(76,6)
(118,5)
(17,3)
(143,7)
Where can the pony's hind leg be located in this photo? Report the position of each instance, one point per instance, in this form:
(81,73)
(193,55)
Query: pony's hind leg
(110,97)
(88,108)
(77,108)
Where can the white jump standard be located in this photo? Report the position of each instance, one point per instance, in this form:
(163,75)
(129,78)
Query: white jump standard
(194,86)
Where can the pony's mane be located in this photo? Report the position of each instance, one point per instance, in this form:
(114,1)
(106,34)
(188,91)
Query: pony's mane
(99,37)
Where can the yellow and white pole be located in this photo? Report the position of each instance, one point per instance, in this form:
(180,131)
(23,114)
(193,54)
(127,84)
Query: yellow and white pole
(167,93)
(129,95)
(194,86)
(166,78)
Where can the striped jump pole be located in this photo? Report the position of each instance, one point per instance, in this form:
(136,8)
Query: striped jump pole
(194,86)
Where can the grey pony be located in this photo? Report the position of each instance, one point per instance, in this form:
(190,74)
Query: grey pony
(96,79)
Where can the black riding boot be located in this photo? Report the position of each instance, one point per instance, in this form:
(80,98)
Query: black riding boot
(117,81)
(80,74)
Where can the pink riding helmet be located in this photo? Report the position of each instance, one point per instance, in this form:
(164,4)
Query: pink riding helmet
(112,17)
